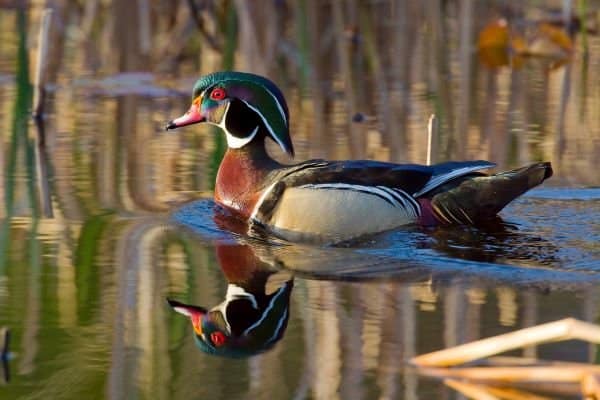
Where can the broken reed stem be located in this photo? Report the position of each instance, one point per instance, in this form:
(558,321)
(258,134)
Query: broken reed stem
(564,329)
(41,169)
(510,375)
(583,15)
(470,390)
(590,386)
(431,133)
(5,341)
(5,353)
(40,67)
(507,361)
(41,162)
(485,392)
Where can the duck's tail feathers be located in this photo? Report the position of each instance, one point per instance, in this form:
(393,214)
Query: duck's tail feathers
(479,198)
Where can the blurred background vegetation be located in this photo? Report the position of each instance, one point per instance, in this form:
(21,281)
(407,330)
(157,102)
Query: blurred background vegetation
(83,288)
(509,82)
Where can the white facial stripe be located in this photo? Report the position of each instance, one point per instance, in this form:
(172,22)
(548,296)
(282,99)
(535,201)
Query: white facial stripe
(278,107)
(266,124)
(182,310)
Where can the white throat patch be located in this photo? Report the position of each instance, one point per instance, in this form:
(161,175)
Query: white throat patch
(233,141)
(236,142)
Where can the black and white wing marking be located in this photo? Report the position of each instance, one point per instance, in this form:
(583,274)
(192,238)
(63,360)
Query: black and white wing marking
(350,198)
(395,197)
(445,172)
(388,181)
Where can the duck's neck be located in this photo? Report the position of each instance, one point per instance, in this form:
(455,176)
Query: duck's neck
(241,175)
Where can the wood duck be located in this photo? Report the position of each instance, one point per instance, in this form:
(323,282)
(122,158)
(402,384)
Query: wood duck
(253,316)
(334,200)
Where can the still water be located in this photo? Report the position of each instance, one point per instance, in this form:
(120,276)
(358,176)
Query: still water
(84,289)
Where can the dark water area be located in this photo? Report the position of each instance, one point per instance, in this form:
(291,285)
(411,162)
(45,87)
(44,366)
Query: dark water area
(84,290)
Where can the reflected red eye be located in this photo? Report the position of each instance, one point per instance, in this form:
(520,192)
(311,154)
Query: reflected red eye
(217,94)
(218,338)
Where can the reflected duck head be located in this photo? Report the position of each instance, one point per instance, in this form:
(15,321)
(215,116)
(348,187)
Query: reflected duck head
(210,330)
(239,327)
(255,311)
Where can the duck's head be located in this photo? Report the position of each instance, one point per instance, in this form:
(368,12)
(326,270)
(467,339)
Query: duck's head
(209,333)
(240,326)
(245,106)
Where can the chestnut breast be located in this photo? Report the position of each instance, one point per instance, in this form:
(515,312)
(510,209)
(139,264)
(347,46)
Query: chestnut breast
(238,183)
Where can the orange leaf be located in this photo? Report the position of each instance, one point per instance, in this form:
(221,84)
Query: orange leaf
(556,35)
(493,44)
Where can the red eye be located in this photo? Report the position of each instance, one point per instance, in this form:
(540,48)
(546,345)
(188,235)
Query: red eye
(218,338)
(217,94)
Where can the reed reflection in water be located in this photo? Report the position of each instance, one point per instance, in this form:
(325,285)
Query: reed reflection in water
(84,292)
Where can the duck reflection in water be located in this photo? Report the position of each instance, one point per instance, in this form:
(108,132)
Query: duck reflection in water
(255,312)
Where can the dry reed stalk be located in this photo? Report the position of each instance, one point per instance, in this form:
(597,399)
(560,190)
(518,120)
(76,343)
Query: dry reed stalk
(506,361)
(439,44)
(211,40)
(485,392)
(432,131)
(405,18)
(565,91)
(465,52)
(583,14)
(590,386)
(249,36)
(90,11)
(5,340)
(514,394)
(564,329)
(320,132)
(500,361)
(388,124)
(145,27)
(470,390)
(173,43)
(491,134)
(41,161)
(40,68)
(41,165)
(343,50)
(510,375)
(5,353)
(55,38)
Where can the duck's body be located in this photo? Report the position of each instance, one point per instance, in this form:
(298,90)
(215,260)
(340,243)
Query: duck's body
(335,200)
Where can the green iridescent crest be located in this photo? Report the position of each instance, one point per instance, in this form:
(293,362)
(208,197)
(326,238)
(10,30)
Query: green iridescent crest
(259,94)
